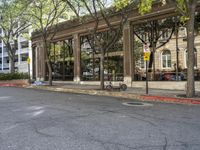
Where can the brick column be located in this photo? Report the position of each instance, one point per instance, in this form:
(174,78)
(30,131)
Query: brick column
(77,57)
(128,53)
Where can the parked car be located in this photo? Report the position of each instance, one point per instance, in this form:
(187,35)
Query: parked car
(171,76)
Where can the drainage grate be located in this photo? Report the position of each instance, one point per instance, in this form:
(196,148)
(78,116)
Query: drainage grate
(136,104)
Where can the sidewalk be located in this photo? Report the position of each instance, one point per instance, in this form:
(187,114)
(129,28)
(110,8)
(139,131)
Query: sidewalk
(169,96)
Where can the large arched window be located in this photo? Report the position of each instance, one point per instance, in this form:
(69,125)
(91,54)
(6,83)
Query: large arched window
(166,59)
(195,57)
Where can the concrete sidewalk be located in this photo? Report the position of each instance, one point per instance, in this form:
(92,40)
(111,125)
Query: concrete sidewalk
(170,96)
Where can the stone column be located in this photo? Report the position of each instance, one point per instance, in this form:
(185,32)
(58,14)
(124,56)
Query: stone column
(30,55)
(40,62)
(43,63)
(128,53)
(37,62)
(77,57)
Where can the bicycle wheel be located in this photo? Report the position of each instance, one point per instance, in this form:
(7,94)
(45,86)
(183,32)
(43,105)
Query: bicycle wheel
(123,87)
(108,87)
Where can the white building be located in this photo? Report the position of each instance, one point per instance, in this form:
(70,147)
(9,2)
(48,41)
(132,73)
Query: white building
(22,53)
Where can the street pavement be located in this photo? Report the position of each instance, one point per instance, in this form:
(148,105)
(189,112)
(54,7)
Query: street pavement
(33,119)
(161,95)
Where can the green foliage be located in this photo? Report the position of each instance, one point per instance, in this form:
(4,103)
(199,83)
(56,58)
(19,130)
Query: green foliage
(46,13)
(119,4)
(182,5)
(13,21)
(145,6)
(13,76)
(12,13)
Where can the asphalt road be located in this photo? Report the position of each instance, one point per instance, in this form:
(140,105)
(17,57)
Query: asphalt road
(42,120)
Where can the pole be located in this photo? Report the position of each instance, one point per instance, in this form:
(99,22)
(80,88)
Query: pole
(29,76)
(177,49)
(54,61)
(147,91)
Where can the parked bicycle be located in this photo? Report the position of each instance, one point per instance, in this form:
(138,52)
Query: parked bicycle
(121,86)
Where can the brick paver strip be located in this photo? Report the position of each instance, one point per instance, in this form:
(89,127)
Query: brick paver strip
(11,85)
(170,99)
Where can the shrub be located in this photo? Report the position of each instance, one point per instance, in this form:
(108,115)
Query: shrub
(13,76)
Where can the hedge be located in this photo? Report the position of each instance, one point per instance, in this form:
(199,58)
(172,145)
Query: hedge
(13,76)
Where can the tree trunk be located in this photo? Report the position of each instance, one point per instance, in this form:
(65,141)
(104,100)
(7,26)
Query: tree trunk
(102,70)
(11,55)
(190,48)
(154,62)
(48,63)
(50,71)
(12,65)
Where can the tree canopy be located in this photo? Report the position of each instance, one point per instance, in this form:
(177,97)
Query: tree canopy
(13,22)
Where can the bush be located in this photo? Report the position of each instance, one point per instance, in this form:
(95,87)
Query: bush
(13,76)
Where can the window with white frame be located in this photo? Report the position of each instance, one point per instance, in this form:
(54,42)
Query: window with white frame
(166,59)
(195,57)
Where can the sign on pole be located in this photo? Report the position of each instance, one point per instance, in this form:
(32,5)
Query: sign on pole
(28,60)
(146,56)
(146,52)
(146,48)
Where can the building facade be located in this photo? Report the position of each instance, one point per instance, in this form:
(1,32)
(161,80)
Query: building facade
(81,63)
(166,57)
(23,52)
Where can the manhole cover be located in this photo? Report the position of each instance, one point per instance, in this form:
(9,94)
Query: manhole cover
(136,104)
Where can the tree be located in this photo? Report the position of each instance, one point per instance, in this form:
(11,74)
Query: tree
(45,14)
(13,22)
(101,42)
(155,31)
(187,9)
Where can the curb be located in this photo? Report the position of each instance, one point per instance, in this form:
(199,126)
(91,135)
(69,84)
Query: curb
(152,98)
(11,85)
